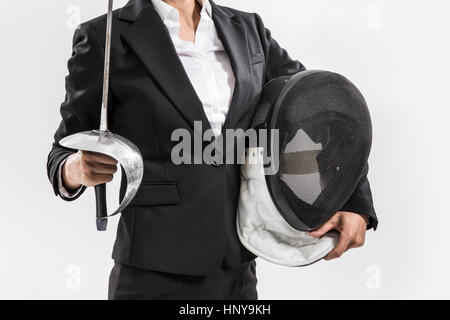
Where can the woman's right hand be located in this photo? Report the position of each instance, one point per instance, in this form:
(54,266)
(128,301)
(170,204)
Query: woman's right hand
(88,169)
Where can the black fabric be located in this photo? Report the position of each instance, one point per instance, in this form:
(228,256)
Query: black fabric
(361,201)
(191,229)
(128,283)
(156,193)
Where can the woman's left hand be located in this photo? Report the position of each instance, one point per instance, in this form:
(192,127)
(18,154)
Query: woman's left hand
(352,229)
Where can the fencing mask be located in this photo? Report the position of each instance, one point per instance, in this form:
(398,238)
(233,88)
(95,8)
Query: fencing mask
(316,148)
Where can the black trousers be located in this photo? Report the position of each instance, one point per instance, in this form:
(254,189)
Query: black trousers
(129,283)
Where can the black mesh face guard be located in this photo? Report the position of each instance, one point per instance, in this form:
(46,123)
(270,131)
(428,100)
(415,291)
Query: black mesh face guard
(325,136)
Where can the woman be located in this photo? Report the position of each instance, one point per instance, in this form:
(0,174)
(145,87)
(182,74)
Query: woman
(175,62)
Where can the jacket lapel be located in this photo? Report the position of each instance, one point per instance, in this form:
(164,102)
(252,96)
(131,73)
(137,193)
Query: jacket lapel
(234,38)
(150,40)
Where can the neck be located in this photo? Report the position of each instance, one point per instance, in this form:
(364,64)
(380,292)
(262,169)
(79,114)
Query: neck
(187,8)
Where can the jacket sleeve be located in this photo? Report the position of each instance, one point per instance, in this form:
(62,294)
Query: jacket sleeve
(361,201)
(278,63)
(81,109)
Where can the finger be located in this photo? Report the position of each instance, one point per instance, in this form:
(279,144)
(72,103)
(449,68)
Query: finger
(100,168)
(92,180)
(340,248)
(330,225)
(98,157)
(358,241)
(103,158)
(323,230)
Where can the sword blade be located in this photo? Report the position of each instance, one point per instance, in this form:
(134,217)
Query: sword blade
(104,111)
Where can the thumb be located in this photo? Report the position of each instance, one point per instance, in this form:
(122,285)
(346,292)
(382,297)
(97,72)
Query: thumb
(323,229)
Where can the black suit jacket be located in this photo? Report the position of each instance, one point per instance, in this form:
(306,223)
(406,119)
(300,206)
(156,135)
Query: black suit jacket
(183,217)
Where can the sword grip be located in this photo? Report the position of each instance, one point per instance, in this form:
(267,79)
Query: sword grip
(102,212)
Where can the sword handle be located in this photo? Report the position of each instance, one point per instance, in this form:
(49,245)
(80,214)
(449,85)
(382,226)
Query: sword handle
(102,212)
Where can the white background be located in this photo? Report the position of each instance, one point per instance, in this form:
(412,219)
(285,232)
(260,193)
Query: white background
(397,52)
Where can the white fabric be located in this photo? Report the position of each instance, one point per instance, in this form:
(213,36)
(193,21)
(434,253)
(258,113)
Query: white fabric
(264,232)
(206,63)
